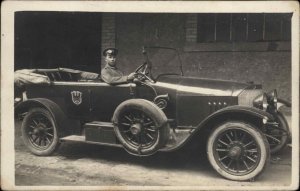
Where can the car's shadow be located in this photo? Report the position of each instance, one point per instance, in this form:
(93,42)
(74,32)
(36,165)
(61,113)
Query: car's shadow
(183,159)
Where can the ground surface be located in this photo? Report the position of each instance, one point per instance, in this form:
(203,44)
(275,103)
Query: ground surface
(90,165)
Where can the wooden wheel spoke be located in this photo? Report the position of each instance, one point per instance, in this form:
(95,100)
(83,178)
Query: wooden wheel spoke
(143,116)
(230,162)
(235,135)
(243,138)
(49,128)
(143,137)
(237,165)
(126,124)
(226,156)
(222,150)
(128,118)
(44,141)
(228,137)
(39,141)
(252,150)
(148,135)
(151,130)
(49,134)
(251,142)
(222,142)
(251,159)
(245,163)
(48,140)
(148,123)
(34,121)
(35,139)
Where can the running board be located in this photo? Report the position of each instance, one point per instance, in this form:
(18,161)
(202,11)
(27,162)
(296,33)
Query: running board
(81,139)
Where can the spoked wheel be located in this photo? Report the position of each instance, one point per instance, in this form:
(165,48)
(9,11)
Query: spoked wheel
(141,126)
(237,151)
(138,129)
(39,132)
(278,136)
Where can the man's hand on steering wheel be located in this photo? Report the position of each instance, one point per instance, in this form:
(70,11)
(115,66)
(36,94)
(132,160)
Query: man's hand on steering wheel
(141,73)
(131,76)
(136,75)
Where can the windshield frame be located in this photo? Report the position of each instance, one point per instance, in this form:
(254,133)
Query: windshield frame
(149,63)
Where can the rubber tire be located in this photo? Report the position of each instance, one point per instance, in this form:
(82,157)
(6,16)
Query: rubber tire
(260,139)
(152,111)
(284,140)
(55,143)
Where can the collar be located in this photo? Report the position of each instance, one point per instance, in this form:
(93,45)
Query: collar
(109,66)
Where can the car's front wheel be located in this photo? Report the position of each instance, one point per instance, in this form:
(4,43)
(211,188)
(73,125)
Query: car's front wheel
(238,151)
(141,126)
(39,132)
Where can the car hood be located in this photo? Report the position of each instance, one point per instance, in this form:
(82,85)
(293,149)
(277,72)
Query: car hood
(202,86)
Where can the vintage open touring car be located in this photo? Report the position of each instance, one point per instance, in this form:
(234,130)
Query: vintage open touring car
(159,111)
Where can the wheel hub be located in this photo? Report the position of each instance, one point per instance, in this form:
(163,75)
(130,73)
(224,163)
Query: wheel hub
(235,152)
(39,130)
(136,128)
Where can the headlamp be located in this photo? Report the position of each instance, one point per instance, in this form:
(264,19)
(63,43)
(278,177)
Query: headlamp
(272,99)
(261,102)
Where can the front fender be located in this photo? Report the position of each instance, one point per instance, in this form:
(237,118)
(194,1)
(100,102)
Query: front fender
(64,125)
(235,113)
(239,110)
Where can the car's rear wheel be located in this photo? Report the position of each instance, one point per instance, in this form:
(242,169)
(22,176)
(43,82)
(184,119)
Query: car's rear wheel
(278,137)
(39,132)
(238,151)
(141,126)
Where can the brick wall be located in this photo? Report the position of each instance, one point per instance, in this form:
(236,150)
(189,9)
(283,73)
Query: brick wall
(191,28)
(108,35)
(270,68)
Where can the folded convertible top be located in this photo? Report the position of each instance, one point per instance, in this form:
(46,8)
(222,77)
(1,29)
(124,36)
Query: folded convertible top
(46,76)
(28,76)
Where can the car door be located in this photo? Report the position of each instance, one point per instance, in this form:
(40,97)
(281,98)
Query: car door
(105,98)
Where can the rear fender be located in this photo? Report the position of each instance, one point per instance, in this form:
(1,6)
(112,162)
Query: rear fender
(64,125)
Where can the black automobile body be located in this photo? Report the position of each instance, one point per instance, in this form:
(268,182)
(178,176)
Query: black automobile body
(238,123)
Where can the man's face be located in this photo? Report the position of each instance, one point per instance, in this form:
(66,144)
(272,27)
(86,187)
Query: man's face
(110,59)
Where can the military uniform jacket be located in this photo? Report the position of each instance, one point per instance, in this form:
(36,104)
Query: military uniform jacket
(112,75)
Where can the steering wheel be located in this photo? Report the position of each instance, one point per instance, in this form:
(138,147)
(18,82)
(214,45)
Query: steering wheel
(141,73)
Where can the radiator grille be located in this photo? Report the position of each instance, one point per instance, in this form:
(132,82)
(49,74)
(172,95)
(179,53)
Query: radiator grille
(247,96)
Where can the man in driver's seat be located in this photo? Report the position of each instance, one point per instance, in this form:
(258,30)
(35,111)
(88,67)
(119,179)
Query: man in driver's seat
(110,73)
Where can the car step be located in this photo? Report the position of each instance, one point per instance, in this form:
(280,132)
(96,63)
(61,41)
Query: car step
(74,138)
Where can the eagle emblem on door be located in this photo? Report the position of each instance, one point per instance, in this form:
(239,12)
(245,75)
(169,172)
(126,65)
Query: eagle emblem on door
(76,97)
